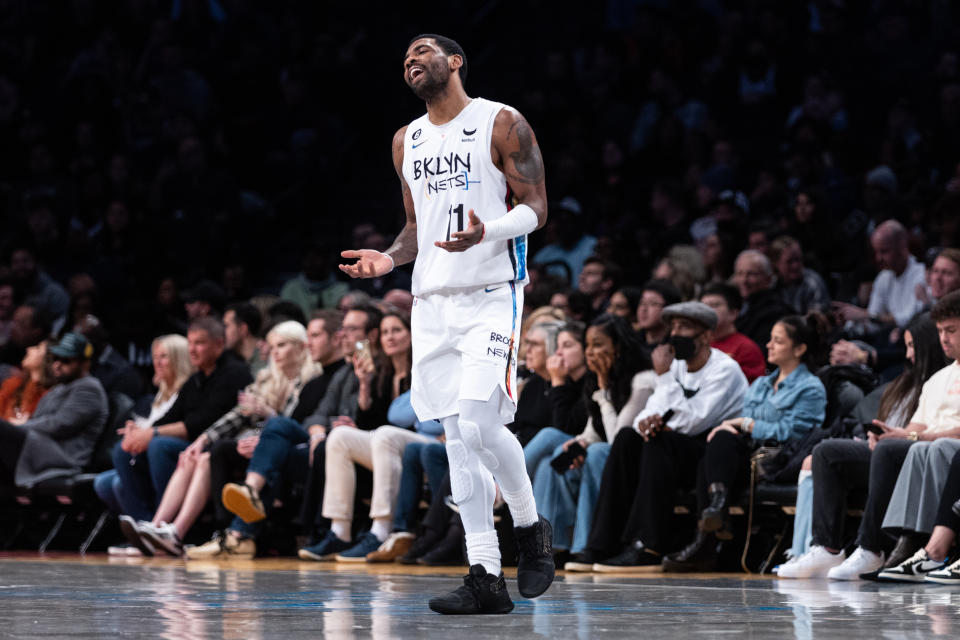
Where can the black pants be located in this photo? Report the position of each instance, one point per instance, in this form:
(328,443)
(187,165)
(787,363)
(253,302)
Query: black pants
(951,493)
(226,465)
(638,490)
(842,466)
(726,460)
(12,439)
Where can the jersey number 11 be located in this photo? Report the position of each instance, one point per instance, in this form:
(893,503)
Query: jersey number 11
(454,210)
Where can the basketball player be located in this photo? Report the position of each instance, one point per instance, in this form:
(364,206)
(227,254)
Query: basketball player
(473,187)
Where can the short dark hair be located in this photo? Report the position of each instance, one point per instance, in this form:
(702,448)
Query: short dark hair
(449,47)
(246,313)
(667,290)
(374,316)
(611,270)
(285,310)
(332,319)
(947,307)
(728,292)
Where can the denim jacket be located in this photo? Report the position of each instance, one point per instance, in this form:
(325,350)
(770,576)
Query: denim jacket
(797,406)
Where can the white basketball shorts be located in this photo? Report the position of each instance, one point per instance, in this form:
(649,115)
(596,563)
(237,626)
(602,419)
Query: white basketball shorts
(465,348)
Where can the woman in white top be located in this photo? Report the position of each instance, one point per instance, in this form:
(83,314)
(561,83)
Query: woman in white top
(619,381)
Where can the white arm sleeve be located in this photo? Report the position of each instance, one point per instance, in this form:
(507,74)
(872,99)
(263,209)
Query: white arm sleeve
(519,221)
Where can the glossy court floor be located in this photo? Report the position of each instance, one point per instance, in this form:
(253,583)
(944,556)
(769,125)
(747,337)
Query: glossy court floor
(69,597)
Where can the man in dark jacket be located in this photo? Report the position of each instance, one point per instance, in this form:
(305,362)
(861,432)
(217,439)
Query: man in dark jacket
(146,458)
(60,436)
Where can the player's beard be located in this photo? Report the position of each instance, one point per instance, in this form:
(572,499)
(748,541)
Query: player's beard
(433,84)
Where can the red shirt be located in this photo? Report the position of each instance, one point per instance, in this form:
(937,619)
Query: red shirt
(745,351)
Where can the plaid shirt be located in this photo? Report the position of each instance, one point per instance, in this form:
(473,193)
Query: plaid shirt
(234,423)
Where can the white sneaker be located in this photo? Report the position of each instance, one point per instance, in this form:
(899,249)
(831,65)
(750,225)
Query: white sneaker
(860,561)
(162,536)
(815,563)
(790,560)
(914,569)
(124,551)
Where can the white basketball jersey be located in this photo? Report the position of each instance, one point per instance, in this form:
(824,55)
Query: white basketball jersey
(449,171)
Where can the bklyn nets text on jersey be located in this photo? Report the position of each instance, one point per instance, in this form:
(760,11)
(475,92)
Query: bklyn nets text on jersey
(453,165)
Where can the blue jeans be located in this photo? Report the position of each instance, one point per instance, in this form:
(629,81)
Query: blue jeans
(143,481)
(542,446)
(418,458)
(107,487)
(803,518)
(567,500)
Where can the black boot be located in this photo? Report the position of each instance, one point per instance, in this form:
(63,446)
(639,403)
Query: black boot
(714,516)
(699,555)
(446,552)
(535,569)
(480,593)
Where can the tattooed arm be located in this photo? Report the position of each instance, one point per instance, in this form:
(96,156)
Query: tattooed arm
(516,153)
(370,263)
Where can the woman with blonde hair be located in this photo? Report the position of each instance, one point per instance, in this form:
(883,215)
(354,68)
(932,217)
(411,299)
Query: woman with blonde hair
(171,368)
(276,391)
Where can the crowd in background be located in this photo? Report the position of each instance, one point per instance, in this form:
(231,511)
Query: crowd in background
(744,195)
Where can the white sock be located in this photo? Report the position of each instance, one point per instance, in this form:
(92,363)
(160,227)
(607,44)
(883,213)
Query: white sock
(341,529)
(381,528)
(523,508)
(484,549)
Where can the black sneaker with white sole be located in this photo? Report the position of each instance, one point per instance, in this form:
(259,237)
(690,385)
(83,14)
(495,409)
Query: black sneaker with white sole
(947,575)
(535,567)
(916,568)
(481,593)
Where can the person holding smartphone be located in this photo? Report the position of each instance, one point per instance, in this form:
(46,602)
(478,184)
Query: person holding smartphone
(782,406)
(566,471)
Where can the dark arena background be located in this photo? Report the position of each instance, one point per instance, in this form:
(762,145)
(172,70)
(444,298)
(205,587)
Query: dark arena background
(175,168)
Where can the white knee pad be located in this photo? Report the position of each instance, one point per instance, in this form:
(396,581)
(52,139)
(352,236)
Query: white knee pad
(470,432)
(461,482)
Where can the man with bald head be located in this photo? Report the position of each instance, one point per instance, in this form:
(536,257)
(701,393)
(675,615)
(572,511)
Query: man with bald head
(762,305)
(893,300)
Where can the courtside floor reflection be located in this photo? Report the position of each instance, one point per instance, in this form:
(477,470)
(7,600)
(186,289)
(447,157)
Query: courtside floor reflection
(174,600)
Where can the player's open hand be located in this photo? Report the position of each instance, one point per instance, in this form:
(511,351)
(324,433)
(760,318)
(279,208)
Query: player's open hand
(465,239)
(369,263)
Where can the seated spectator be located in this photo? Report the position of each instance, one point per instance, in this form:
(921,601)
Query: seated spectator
(205,299)
(598,279)
(316,286)
(109,367)
(241,325)
(725,301)
(800,288)
(282,447)
(276,391)
(762,306)
(943,276)
(338,407)
(783,406)
(19,394)
(32,284)
(928,563)
(683,266)
(893,299)
(398,300)
(700,387)
(171,369)
(624,303)
(533,406)
(656,295)
(28,327)
(59,438)
(381,380)
(615,390)
(841,466)
(146,458)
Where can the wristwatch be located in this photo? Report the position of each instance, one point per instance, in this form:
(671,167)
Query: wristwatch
(913,435)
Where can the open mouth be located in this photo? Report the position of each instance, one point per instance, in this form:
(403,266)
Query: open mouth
(415,72)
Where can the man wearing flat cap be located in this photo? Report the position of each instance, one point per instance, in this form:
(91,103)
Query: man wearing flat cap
(700,387)
(59,438)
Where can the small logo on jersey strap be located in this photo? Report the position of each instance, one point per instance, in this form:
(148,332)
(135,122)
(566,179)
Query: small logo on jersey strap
(416,134)
(469,133)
